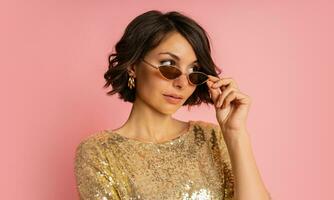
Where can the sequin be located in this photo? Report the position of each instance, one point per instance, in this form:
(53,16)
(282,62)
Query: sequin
(195,165)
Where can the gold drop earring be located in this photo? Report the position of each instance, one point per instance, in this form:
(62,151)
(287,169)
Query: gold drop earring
(131,82)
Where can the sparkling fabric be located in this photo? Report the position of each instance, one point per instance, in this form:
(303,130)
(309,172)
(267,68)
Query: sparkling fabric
(195,165)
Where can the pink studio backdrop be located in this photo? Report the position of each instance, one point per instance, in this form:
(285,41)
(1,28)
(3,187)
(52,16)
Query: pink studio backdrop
(54,54)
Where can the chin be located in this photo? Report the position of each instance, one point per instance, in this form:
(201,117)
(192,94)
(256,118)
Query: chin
(169,110)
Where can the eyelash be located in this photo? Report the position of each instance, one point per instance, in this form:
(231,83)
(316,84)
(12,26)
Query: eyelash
(173,63)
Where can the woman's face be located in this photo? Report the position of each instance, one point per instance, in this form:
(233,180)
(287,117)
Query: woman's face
(151,86)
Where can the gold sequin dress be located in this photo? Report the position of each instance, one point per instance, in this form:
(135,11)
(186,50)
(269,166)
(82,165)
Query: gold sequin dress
(195,165)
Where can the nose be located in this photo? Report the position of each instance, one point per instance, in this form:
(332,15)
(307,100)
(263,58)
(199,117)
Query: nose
(181,81)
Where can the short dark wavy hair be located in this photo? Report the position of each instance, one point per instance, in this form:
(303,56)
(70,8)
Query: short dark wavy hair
(143,34)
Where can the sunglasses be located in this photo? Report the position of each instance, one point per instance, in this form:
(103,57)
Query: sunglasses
(171,72)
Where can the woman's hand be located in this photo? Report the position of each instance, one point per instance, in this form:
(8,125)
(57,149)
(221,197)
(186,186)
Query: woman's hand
(231,105)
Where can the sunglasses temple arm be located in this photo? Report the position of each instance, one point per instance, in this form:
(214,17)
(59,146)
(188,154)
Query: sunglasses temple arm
(151,65)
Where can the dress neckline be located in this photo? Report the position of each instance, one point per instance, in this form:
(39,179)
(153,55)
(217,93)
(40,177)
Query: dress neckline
(182,135)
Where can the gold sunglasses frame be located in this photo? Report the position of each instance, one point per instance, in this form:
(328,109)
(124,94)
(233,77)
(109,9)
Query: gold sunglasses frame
(158,68)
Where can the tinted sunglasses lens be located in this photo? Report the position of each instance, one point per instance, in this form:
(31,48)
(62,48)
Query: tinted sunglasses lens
(169,71)
(197,78)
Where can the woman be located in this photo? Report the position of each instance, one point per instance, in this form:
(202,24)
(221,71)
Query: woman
(163,62)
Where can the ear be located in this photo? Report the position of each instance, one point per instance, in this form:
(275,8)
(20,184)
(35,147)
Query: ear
(132,70)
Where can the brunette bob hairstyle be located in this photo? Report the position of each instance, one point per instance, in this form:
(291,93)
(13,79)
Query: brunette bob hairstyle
(143,34)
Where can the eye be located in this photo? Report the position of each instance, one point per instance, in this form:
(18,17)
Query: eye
(167,62)
(196,68)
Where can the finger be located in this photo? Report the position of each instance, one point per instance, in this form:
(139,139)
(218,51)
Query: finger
(224,94)
(213,78)
(214,92)
(230,97)
(225,82)
(237,97)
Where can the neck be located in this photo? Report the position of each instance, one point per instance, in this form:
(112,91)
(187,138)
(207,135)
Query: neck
(146,123)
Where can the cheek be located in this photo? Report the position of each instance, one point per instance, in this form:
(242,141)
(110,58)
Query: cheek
(150,84)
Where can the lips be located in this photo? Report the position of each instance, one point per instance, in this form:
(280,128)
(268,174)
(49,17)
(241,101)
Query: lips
(172,99)
(174,96)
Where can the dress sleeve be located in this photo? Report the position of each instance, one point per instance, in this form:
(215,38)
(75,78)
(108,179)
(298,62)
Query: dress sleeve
(227,167)
(93,177)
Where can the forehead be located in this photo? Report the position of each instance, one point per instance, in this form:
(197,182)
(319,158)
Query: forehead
(176,44)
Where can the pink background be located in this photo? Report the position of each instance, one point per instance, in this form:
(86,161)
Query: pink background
(54,54)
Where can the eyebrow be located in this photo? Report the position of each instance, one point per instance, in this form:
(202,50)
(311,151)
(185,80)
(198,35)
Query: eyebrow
(175,56)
